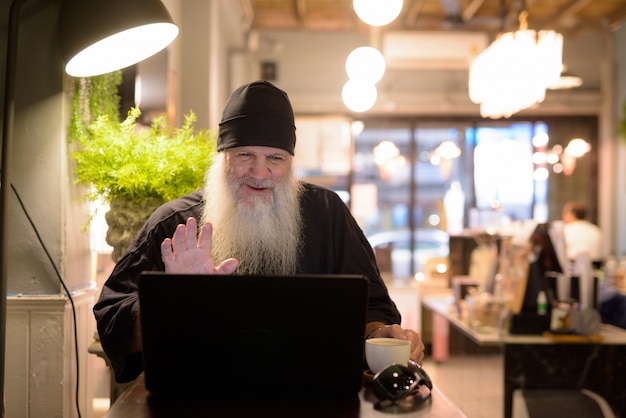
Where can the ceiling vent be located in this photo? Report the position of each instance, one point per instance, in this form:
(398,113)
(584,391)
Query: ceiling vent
(432,50)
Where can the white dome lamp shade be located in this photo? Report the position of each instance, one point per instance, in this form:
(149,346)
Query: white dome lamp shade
(365,63)
(359,96)
(100,36)
(377,12)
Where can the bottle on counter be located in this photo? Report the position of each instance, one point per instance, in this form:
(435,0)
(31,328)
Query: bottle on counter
(542,303)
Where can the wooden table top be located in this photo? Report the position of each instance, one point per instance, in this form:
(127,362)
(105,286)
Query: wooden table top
(137,402)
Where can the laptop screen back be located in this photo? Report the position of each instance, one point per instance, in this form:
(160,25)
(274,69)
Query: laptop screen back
(259,335)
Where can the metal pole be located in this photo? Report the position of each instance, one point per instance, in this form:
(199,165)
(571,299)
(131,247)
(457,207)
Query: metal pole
(5,179)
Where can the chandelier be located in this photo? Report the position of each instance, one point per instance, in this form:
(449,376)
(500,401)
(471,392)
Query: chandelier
(514,72)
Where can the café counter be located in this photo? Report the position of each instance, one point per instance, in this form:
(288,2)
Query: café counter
(137,402)
(542,362)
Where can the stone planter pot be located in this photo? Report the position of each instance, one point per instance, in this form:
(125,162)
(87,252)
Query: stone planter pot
(125,218)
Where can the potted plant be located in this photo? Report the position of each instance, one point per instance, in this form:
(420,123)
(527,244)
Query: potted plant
(130,167)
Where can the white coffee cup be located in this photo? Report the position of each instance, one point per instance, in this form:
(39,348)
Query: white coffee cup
(383,352)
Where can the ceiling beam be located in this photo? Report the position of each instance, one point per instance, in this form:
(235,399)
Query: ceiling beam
(413,13)
(471,9)
(617,19)
(248,15)
(451,8)
(442,15)
(567,12)
(300,8)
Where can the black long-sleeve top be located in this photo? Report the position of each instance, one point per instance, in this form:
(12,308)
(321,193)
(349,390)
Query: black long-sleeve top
(333,244)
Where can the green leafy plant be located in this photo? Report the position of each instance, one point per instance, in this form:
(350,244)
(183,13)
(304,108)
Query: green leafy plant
(121,159)
(131,167)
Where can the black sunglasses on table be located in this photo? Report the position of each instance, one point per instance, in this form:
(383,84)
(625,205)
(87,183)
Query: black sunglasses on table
(400,389)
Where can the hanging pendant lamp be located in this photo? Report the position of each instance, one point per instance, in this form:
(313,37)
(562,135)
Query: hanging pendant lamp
(101,36)
(95,37)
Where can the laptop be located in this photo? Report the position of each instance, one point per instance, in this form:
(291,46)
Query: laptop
(265,336)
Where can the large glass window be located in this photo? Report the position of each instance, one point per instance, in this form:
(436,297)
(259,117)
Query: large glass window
(503,174)
(415,182)
(412,183)
(401,173)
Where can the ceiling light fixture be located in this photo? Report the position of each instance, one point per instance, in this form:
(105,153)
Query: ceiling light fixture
(358,95)
(365,67)
(377,12)
(365,63)
(561,160)
(514,72)
(565,81)
(98,37)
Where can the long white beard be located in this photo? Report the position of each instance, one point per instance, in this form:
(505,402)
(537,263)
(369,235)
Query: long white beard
(263,233)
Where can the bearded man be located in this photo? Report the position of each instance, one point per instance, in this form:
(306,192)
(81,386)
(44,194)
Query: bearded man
(256,217)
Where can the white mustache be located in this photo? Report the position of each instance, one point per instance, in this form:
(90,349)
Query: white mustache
(258,184)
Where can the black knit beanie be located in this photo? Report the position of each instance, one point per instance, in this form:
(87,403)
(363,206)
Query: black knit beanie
(257,114)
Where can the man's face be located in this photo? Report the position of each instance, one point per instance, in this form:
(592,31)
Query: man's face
(256,171)
(568,216)
(253,202)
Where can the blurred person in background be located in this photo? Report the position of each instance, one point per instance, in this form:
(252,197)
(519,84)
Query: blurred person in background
(582,236)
